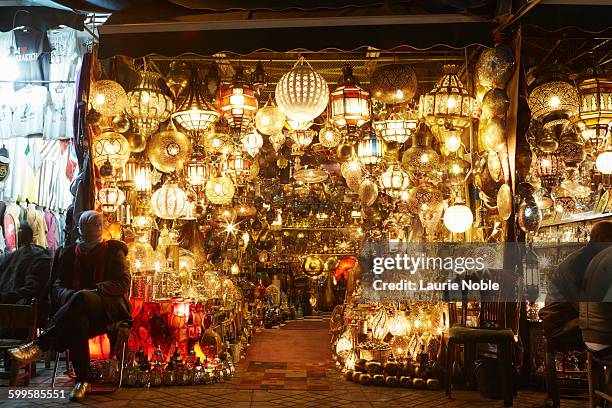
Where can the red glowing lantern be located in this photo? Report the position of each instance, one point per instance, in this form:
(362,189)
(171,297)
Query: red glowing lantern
(350,104)
(99,348)
(344,266)
(238,102)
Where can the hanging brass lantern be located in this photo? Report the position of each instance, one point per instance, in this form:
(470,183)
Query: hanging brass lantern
(169,149)
(195,114)
(549,169)
(110,198)
(371,149)
(238,102)
(137,175)
(111,147)
(107,97)
(394,83)
(147,105)
(595,93)
(349,103)
(448,105)
(220,190)
(397,127)
(421,159)
(394,181)
(196,169)
(169,201)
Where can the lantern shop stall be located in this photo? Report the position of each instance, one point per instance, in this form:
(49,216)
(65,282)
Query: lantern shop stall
(250,184)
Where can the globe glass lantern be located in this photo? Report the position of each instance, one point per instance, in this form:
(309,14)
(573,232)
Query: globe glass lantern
(458,218)
(269,120)
(195,114)
(349,103)
(110,147)
(395,181)
(238,102)
(107,97)
(448,105)
(371,150)
(147,104)
(169,201)
(302,94)
(396,128)
(329,137)
(110,198)
(399,325)
(252,142)
(603,163)
(220,190)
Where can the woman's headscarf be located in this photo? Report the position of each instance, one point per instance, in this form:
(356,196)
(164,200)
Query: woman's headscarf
(90,230)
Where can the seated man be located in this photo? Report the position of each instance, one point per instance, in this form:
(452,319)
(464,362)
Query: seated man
(24,274)
(92,285)
(596,312)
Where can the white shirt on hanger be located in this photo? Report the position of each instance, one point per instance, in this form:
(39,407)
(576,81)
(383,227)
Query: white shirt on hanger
(30,105)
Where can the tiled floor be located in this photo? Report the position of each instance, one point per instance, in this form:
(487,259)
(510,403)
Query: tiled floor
(344,394)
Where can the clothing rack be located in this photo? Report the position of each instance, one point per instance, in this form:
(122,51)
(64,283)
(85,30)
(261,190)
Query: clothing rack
(39,81)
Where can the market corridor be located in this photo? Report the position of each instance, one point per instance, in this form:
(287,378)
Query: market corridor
(287,352)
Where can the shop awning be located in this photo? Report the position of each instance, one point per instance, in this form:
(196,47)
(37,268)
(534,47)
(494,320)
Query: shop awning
(39,18)
(167,28)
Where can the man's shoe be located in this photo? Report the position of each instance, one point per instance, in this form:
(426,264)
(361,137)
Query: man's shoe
(26,352)
(79,391)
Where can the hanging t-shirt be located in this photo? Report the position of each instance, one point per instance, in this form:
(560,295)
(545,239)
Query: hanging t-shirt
(7,97)
(30,105)
(31,45)
(63,61)
(7,40)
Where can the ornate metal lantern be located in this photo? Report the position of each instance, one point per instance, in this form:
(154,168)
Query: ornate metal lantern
(110,198)
(108,97)
(350,104)
(549,169)
(111,147)
(169,201)
(147,104)
(397,128)
(137,175)
(553,103)
(395,181)
(448,106)
(196,169)
(238,102)
(371,149)
(220,190)
(195,114)
(595,93)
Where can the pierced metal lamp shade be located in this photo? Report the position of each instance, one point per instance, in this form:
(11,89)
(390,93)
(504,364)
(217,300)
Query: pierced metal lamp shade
(112,147)
(169,149)
(169,201)
(147,104)
(108,97)
(595,111)
(371,150)
(396,128)
(195,114)
(302,94)
(110,198)
(395,181)
(553,103)
(448,105)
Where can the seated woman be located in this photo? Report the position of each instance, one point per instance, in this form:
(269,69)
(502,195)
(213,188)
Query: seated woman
(92,287)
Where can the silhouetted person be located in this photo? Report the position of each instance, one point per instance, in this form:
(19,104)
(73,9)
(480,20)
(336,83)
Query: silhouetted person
(92,286)
(24,273)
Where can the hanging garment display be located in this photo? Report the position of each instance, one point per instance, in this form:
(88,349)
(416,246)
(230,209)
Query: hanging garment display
(30,105)
(63,62)
(30,46)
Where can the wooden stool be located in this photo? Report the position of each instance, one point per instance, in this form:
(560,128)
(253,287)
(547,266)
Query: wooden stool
(597,380)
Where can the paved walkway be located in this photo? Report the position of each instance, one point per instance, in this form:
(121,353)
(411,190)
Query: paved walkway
(344,394)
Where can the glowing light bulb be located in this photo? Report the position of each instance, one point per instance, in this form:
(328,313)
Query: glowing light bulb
(246,237)
(230,228)
(425,158)
(604,162)
(452,142)
(458,218)
(554,102)
(451,103)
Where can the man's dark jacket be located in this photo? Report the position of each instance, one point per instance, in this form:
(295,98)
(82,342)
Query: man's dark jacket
(596,315)
(114,288)
(24,275)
